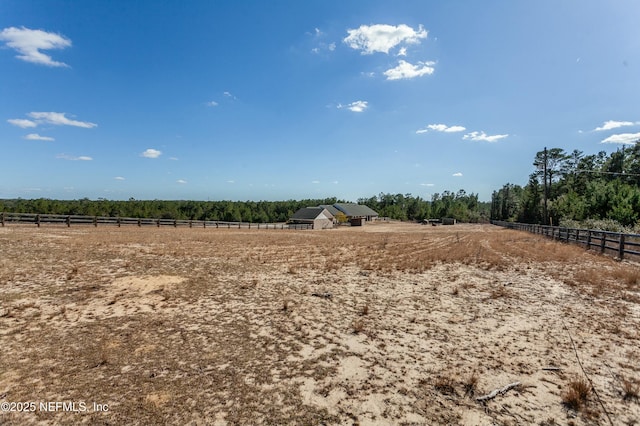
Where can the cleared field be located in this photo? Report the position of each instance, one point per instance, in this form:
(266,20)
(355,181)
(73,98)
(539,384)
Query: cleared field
(385,324)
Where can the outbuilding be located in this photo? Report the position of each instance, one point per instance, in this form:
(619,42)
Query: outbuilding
(357,214)
(318,217)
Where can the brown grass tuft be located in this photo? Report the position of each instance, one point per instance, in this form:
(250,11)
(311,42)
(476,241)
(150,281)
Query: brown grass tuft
(357,326)
(470,384)
(365,310)
(445,385)
(630,390)
(576,395)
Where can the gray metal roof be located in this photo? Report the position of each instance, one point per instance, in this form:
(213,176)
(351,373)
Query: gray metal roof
(308,213)
(350,209)
(331,209)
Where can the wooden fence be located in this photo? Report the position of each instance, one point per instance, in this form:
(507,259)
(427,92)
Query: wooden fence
(622,246)
(68,220)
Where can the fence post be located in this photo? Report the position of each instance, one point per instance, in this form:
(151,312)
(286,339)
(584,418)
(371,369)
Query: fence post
(621,247)
(95,221)
(2,218)
(603,241)
(175,223)
(588,239)
(158,222)
(190,224)
(68,221)
(139,222)
(119,221)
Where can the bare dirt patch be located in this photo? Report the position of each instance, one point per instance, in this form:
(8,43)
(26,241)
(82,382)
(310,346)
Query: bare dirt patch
(385,324)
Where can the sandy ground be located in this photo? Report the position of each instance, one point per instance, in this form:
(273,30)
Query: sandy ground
(385,324)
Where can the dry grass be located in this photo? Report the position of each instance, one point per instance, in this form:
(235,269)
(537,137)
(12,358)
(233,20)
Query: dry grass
(386,324)
(470,384)
(576,394)
(630,390)
(445,385)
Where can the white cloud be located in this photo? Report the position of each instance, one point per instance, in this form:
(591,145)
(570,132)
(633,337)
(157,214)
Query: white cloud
(402,52)
(382,38)
(37,137)
(72,158)
(59,119)
(119,178)
(482,136)
(441,128)
(151,153)
(427,184)
(623,138)
(29,43)
(406,70)
(332,47)
(231,181)
(357,106)
(611,124)
(458,174)
(181,181)
(22,122)
(335,182)
(173,158)
(212,103)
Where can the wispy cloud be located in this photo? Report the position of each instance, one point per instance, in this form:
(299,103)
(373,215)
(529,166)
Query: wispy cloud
(229,95)
(458,174)
(59,119)
(24,123)
(212,103)
(315,181)
(382,38)
(73,158)
(151,153)
(441,128)
(29,43)
(357,106)
(181,181)
(231,181)
(611,124)
(55,118)
(482,136)
(37,137)
(427,184)
(119,178)
(623,138)
(405,70)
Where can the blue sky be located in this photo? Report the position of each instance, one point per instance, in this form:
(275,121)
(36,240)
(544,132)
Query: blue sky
(257,100)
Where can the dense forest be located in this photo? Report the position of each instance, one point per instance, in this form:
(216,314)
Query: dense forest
(462,206)
(573,188)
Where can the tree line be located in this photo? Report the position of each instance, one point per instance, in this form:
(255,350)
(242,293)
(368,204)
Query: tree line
(461,206)
(573,187)
(229,211)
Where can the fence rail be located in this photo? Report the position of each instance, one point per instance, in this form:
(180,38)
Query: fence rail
(620,245)
(68,220)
